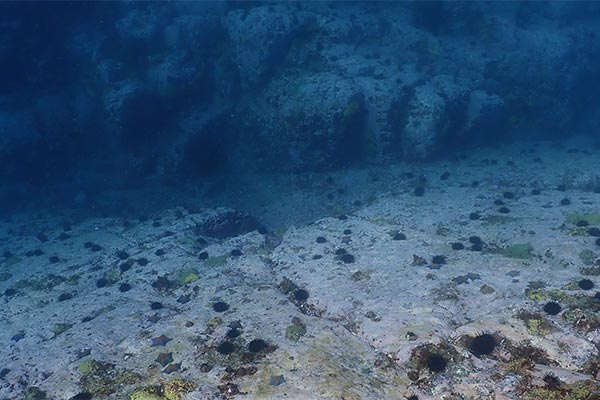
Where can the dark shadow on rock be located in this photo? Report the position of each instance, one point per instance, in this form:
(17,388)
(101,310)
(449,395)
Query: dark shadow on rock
(227,224)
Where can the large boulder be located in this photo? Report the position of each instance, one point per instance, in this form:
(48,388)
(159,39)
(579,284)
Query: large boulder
(141,28)
(227,223)
(434,111)
(138,114)
(261,39)
(310,122)
(486,117)
(195,32)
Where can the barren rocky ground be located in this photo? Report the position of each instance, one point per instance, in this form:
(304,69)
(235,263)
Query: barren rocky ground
(470,279)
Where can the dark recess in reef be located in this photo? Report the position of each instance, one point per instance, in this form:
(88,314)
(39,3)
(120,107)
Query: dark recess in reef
(257,346)
(208,152)
(301,295)
(482,344)
(552,308)
(49,157)
(351,147)
(144,118)
(226,348)
(227,224)
(585,284)
(278,53)
(220,306)
(436,363)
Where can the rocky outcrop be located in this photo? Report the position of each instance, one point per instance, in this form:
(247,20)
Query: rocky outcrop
(191,86)
(227,223)
(434,111)
(261,39)
(309,122)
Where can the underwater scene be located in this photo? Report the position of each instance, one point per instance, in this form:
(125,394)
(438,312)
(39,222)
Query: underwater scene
(298,200)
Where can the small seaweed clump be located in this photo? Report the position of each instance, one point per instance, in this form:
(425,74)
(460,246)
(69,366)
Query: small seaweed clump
(171,390)
(103,379)
(524,356)
(535,323)
(296,330)
(580,390)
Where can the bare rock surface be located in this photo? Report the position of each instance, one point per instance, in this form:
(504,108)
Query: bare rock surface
(361,304)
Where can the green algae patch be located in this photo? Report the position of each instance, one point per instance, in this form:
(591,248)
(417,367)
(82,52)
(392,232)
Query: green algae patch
(43,283)
(12,260)
(296,330)
(576,301)
(580,390)
(587,257)
(35,393)
(187,276)
(188,240)
(590,271)
(345,363)
(522,354)
(361,276)
(5,276)
(579,231)
(58,329)
(175,389)
(103,379)
(73,279)
(498,219)
(89,366)
(522,251)
(586,320)
(591,219)
(213,323)
(146,394)
(553,294)
(215,261)
(536,294)
(535,323)
(113,275)
(381,221)
(261,251)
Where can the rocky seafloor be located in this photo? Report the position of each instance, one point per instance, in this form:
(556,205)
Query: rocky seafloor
(465,279)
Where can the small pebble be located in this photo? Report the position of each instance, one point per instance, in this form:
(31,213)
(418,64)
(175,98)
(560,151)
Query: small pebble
(124,287)
(220,306)
(142,261)
(458,246)
(65,296)
(102,282)
(399,236)
(585,284)
(276,380)
(347,258)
